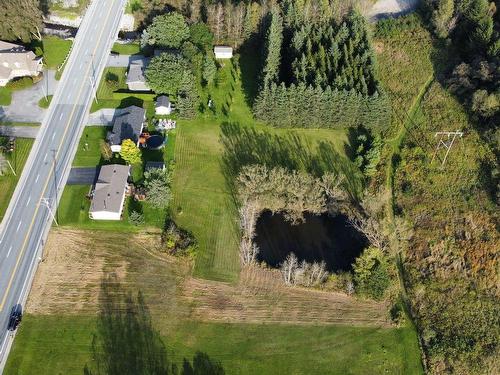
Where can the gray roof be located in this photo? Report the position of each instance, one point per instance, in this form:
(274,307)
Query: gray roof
(222,49)
(136,72)
(162,101)
(127,125)
(155,165)
(110,188)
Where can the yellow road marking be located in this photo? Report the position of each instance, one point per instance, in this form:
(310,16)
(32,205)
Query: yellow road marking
(49,177)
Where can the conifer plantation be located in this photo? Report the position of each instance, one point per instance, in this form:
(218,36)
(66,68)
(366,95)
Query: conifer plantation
(320,74)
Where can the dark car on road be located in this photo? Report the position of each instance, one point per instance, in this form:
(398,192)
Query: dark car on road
(15,317)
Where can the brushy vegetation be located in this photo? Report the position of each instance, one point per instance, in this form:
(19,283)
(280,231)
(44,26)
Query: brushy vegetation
(452,264)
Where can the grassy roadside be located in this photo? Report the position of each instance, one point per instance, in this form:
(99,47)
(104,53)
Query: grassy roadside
(8,183)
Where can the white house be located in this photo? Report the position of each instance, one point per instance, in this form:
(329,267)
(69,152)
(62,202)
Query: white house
(108,195)
(16,62)
(223,52)
(163,106)
(127,125)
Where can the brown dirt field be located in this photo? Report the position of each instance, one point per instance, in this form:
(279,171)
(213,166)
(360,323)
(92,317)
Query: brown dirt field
(76,262)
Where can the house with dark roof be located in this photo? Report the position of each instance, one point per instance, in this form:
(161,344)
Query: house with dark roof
(163,105)
(109,192)
(136,80)
(127,125)
(16,61)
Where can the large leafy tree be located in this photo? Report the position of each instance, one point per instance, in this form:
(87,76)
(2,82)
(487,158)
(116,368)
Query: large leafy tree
(168,30)
(19,19)
(167,72)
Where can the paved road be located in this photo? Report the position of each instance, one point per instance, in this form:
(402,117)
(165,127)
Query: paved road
(27,221)
(19,131)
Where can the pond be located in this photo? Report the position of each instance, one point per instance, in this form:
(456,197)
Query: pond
(318,238)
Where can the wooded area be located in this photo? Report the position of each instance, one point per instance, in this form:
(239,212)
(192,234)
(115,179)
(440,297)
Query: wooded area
(320,75)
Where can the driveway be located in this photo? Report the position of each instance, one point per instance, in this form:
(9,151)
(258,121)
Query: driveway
(391,8)
(123,61)
(103,117)
(24,106)
(19,131)
(83,176)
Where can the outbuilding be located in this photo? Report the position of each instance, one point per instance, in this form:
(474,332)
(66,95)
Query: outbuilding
(223,52)
(163,106)
(108,194)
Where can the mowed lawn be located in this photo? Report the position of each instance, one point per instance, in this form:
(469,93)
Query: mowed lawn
(44,342)
(55,51)
(9,181)
(202,202)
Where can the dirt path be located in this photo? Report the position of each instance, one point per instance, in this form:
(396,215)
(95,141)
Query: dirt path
(75,263)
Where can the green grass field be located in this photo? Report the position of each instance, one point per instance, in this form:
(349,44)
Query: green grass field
(55,51)
(8,183)
(127,49)
(88,153)
(44,342)
(5,96)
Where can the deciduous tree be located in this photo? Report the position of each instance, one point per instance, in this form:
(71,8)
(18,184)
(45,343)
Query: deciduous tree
(169,30)
(130,152)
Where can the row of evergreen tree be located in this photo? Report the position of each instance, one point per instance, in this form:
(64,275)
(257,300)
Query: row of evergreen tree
(302,105)
(324,77)
(327,54)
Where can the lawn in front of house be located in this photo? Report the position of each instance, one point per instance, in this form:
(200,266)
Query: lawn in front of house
(55,51)
(5,96)
(9,181)
(88,153)
(127,49)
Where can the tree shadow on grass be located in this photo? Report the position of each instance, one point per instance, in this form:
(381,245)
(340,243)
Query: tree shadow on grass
(126,342)
(246,146)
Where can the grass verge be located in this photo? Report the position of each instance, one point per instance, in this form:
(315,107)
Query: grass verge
(8,183)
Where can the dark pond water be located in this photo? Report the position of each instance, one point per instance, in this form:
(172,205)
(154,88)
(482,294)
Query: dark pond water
(318,238)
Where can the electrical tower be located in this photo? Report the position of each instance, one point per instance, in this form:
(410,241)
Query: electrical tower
(445,140)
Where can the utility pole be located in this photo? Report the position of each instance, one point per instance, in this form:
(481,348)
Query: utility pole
(45,202)
(92,79)
(445,140)
(55,181)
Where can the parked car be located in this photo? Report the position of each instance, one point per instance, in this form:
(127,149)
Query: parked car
(16,316)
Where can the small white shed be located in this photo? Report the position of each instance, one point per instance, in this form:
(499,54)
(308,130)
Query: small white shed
(223,52)
(163,105)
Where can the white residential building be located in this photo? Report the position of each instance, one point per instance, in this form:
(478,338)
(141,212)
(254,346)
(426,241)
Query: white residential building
(108,195)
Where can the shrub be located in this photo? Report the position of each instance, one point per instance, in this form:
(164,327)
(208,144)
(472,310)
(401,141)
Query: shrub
(112,81)
(371,277)
(136,218)
(178,241)
(20,83)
